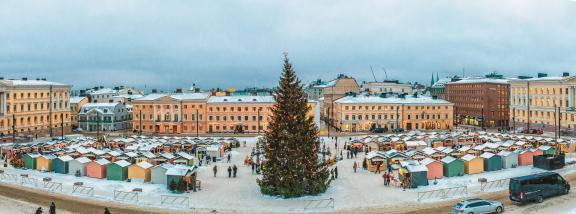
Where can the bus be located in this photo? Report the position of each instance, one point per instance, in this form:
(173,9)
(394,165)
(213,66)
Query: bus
(537,187)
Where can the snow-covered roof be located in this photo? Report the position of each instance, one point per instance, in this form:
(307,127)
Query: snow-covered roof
(168,155)
(468,157)
(416,143)
(487,155)
(178,170)
(448,159)
(82,160)
(102,161)
(65,158)
(390,100)
(480,80)
(241,99)
(185,155)
(374,154)
(122,163)
(179,96)
(441,83)
(504,153)
(427,161)
(30,83)
(417,168)
(144,165)
(544,147)
(76,100)
(103,91)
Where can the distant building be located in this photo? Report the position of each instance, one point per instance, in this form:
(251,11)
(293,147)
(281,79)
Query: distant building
(532,101)
(360,113)
(334,90)
(104,117)
(120,94)
(480,100)
(314,89)
(387,86)
(76,104)
(36,107)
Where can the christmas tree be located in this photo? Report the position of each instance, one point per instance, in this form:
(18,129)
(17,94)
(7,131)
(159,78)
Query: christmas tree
(292,167)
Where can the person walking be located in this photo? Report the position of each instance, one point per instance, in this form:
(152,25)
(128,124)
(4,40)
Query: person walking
(253,165)
(336,172)
(39,210)
(215,170)
(229,171)
(348,154)
(228,157)
(106,211)
(52,208)
(355,166)
(384,178)
(235,169)
(378,168)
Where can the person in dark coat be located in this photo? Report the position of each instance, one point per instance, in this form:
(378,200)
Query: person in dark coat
(39,210)
(106,211)
(355,166)
(52,208)
(228,157)
(234,170)
(229,171)
(215,169)
(336,172)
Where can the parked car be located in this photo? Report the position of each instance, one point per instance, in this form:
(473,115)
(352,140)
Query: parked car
(537,187)
(477,206)
(379,130)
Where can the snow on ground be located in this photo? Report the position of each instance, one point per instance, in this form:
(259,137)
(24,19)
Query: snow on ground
(351,190)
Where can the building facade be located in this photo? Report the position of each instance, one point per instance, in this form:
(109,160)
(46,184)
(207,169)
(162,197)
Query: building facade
(104,117)
(239,114)
(333,91)
(480,101)
(533,102)
(387,86)
(34,108)
(364,113)
(76,104)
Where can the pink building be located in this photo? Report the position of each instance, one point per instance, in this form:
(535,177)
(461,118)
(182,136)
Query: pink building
(435,168)
(97,169)
(525,158)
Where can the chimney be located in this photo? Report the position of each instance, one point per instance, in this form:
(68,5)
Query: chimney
(434,97)
(540,75)
(44,79)
(565,74)
(383,95)
(154,90)
(37,78)
(24,78)
(178,90)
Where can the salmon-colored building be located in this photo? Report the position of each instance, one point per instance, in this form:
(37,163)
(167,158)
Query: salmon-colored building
(97,169)
(525,158)
(435,168)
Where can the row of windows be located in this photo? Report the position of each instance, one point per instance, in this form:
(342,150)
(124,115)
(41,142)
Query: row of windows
(30,119)
(392,107)
(35,95)
(553,91)
(35,106)
(409,116)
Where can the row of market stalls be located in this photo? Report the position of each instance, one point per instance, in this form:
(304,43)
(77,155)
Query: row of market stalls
(157,160)
(419,158)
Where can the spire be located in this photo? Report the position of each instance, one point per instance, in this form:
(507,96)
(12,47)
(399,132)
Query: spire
(432,80)
(437,78)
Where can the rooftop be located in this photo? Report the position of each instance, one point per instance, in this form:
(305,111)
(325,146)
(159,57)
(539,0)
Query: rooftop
(241,99)
(31,83)
(391,100)
(480,80)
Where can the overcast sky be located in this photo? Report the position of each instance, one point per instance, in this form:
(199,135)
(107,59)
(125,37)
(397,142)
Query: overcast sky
(225,43)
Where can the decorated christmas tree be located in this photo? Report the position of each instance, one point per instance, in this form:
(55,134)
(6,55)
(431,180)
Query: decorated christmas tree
(292,167)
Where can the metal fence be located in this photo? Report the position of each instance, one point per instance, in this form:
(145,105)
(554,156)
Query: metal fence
(8,177)
(83,190)
(319,203)
(126,196)
(52,186)
(179,201)
(29,181)
(443,193)
(494,185)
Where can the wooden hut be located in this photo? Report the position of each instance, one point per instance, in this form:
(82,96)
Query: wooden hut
(547,150)
(30,160)
(180,173)
(140,172)
(60,164)
(97,169)
(435,168)
(525,157)
(452,166)
(417,175)
(185,159)
(78,165)
(117,171)
(473,164)
(416,145)
(44,162)
(375,159)
(492,162)
(509,159)
(158,173)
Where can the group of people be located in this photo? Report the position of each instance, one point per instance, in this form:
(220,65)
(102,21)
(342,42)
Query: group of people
(52,209)
(232,170)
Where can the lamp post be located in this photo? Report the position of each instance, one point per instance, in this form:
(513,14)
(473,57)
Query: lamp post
(197,122)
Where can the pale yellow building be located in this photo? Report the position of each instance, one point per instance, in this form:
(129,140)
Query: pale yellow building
(360,113)
(38,108)
(335,90)
(532,101)
(76,104)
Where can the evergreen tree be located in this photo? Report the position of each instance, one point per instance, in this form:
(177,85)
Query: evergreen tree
(292,167)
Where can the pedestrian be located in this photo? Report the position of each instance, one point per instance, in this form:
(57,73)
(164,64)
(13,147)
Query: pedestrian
(355,166)
(348,154)
(253,167)
(229,171)
(106,211)
(215,170)
(228,157)
(378,168)
(384,178)
(39,210)
(332,174)
(52,208)
(235,169)
(207,159)
(336,171)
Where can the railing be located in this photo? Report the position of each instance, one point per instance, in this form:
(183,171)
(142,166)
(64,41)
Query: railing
(494,185)
(83,190)
(442,193)
(52,186)
(28,181)
(319,203)
(170,200)
(126,196)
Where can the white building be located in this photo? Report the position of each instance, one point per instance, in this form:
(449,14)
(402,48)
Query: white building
(387,86)
(105,116)
(118,94)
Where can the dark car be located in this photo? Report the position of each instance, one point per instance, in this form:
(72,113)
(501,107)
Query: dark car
(537,187)
(379,130)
